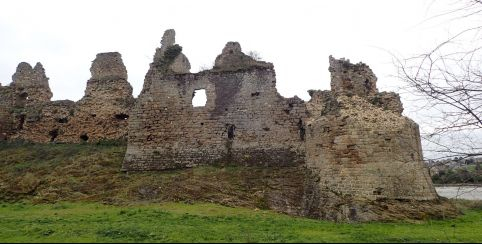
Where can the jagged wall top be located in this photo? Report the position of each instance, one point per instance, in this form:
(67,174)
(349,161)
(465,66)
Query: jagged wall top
(28,76)
(232,58)
(352,79)
(108,66)
(168,39)
(31,83)
(109,79)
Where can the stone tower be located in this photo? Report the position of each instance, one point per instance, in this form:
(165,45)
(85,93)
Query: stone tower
(31,85)
(103,112)
(361,149)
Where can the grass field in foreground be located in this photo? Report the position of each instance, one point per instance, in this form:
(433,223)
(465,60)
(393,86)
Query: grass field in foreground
(177,222)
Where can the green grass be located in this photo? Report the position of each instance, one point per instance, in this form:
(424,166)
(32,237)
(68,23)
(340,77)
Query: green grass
(200,222)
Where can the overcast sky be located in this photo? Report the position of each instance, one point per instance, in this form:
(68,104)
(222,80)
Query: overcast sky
(297,36)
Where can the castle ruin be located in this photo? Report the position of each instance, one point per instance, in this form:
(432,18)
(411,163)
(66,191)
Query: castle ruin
(352,143)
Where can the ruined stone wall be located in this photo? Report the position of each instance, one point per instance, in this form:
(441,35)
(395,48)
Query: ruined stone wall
(363,151)
(351,79)
(6,106)
(244,122)
(102,114)
(31,85)
(21,101)
(361,146)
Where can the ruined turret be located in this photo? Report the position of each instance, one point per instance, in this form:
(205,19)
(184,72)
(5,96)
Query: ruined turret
(361,147)
(232,58)
(104,110)
(31,84)
(109,79)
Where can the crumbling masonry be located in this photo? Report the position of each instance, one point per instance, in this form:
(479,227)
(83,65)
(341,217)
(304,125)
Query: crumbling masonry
(27,113)
(351,144)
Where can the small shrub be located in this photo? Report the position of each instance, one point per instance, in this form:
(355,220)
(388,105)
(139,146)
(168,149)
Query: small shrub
(171,52)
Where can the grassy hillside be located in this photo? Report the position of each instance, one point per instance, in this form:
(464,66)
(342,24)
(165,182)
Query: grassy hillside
(76,193)
(86,172)
(178,222)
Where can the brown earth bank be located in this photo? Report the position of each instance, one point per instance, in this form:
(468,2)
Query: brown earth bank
(91,172)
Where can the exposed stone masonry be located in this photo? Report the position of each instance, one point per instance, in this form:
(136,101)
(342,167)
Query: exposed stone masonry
(352,147)
(31,85)
(233,59)
(27,113)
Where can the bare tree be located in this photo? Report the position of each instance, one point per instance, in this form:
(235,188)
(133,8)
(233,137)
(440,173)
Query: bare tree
(447,83)
(255,55)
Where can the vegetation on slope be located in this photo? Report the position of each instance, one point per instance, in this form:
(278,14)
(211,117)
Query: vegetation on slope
(87,172)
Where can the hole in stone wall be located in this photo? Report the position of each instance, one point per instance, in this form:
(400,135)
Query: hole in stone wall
(62,120)
(230,129)
(301,129)
(53,134)
(199,98)
(378,191)
(122,116)
(255,94)
(21,121)
(84,137)
(368,85)
(23,96)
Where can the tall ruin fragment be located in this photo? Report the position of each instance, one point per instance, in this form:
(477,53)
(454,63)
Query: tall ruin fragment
(350,148)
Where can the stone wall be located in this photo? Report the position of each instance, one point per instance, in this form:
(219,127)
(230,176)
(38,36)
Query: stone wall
(244,122)
(6,106)
(363,151)
(351,79)
(102,114)
(31,85)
